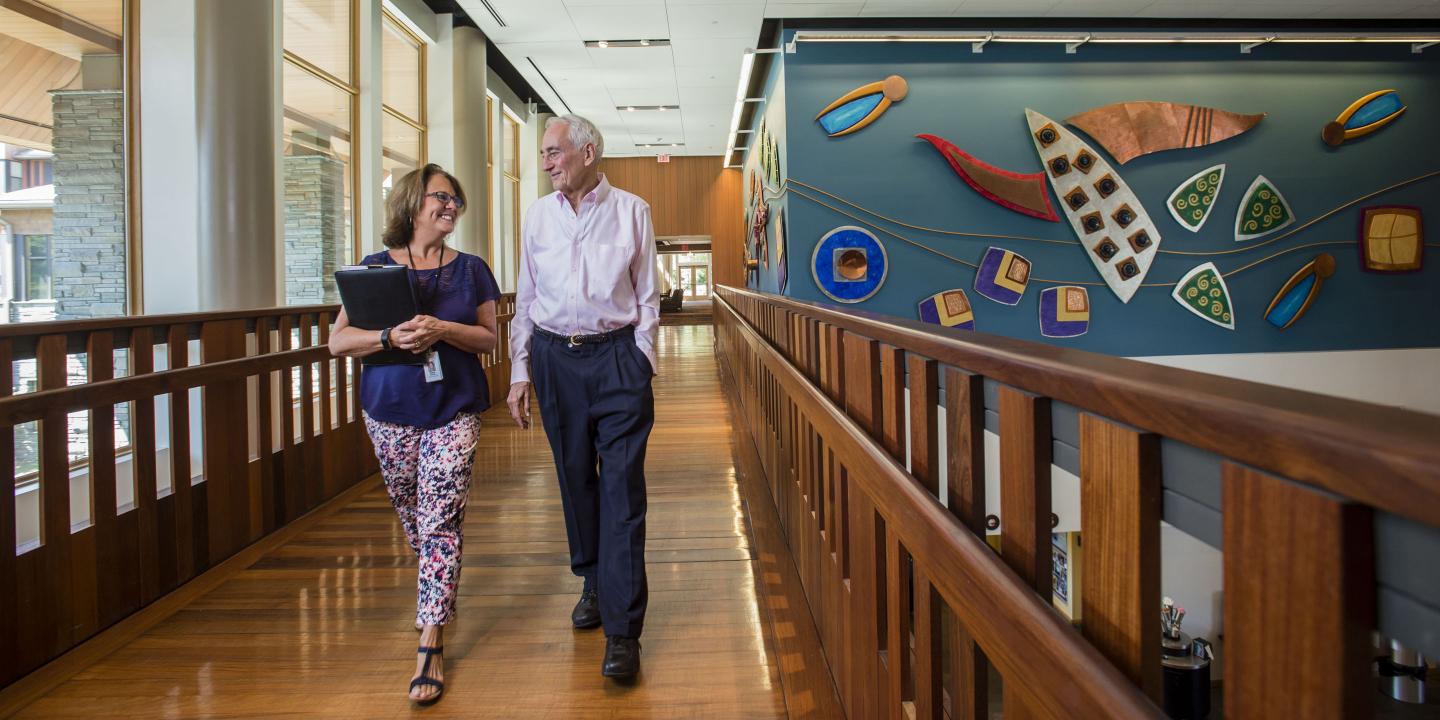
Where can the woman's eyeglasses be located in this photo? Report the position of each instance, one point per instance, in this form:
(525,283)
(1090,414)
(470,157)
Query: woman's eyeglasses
(445,198)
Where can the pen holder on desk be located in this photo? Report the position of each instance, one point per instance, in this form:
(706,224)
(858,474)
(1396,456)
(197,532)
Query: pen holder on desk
(1186,669)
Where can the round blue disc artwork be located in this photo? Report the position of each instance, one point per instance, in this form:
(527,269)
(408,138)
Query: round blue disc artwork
(849,264)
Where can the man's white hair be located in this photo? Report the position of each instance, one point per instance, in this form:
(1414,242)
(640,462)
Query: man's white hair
(582,131)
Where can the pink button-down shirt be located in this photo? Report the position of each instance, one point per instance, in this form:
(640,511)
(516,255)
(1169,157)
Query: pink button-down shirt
(586,272)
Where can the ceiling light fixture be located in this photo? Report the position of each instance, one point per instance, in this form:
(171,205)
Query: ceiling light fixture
(747,65)
(640,43)
(636,108)
(1072,41)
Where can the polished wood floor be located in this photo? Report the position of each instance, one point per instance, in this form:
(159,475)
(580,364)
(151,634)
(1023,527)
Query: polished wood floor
(322,625)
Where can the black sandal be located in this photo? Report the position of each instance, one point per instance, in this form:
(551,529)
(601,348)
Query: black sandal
(425,679)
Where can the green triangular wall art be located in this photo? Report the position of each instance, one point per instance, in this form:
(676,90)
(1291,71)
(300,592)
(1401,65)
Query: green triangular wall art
(1192,202)
(1203,292)
(1263,211)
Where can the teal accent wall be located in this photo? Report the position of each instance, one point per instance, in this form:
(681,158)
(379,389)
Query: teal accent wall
(977,101)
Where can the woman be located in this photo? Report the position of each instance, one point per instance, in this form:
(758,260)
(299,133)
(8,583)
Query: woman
(424,427)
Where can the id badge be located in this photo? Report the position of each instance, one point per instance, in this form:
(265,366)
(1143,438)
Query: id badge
(432,367)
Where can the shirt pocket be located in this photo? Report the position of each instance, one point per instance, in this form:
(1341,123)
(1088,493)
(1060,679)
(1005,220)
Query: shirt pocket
(607,265)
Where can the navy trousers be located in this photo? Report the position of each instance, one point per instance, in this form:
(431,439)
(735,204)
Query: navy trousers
(598,408)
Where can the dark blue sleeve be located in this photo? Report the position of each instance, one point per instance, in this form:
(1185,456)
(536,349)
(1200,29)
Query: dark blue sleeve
(486,289)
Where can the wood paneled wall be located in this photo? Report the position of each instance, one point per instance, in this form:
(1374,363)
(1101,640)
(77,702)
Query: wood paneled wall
(690,195)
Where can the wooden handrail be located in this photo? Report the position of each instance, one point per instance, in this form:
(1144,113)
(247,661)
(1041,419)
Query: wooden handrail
(18,409)
(824,392)
(310,445)
(1021,634)
(1385,457)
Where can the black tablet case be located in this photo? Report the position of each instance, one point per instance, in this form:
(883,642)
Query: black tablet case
(377,297)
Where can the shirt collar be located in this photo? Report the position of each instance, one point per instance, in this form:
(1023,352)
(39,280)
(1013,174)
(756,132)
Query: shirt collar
(598,195)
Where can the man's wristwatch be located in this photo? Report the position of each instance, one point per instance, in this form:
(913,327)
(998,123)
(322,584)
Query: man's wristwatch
(385,339)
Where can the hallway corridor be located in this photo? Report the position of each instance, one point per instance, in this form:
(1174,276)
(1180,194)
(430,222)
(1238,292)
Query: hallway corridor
(321,624)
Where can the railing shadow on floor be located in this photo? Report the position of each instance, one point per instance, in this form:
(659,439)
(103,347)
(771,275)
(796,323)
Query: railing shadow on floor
(833,397)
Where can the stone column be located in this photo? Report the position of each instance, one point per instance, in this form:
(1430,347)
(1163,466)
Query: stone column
(88,244)
(314,221)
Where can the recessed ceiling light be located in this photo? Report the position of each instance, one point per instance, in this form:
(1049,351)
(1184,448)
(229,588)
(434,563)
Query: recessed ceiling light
(614,44)
(634,108)
(630,108)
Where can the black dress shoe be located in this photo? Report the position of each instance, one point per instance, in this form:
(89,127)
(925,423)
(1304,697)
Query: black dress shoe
(622,657)
(587,612)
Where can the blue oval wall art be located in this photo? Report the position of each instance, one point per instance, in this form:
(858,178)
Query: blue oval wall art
(863,105)
(1364,116)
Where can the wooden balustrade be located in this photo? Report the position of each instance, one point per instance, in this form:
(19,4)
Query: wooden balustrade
(883,561)
(272,449)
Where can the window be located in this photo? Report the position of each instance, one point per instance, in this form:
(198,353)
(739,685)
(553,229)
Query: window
(34,267)
(402,90)
(318,166)
(506,247)
(64,201)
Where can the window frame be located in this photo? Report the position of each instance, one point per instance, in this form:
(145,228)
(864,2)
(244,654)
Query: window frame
(422,123)
(23,261)
(357,198)
(514,181)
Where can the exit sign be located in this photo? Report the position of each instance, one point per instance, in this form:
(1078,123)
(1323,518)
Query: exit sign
(663,157)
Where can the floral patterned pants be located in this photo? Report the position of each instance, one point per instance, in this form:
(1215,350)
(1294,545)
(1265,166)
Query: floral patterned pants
(428,475)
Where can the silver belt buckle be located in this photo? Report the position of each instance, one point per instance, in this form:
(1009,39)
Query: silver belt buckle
(575,340)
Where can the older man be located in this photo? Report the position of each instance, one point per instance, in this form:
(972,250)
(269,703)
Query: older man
(586,312)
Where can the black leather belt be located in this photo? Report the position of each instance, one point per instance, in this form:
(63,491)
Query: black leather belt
(590,339)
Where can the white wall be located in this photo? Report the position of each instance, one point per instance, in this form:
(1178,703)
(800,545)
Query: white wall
(1407,378)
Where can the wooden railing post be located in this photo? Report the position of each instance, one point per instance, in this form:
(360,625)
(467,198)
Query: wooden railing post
(226,439)
(1025,486)
(143,453)
(965,430)
(897,623)
(1025,448)
(117,590)
(183,506)
(1299,600)
(52,603)
(892,401)
(265,429)
(929,649)
(924,384)
(1120,524)
(865,546)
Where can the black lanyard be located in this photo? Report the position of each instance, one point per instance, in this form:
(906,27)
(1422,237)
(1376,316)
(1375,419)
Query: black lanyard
(423,297)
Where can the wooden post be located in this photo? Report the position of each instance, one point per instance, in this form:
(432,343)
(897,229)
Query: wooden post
(965,427)
(1120,525)
(1299,600)
(1025,504)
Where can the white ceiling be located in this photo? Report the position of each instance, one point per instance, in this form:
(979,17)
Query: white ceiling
(700,71)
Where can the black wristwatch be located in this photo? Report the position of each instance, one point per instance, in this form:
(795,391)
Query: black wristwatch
(385,339)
